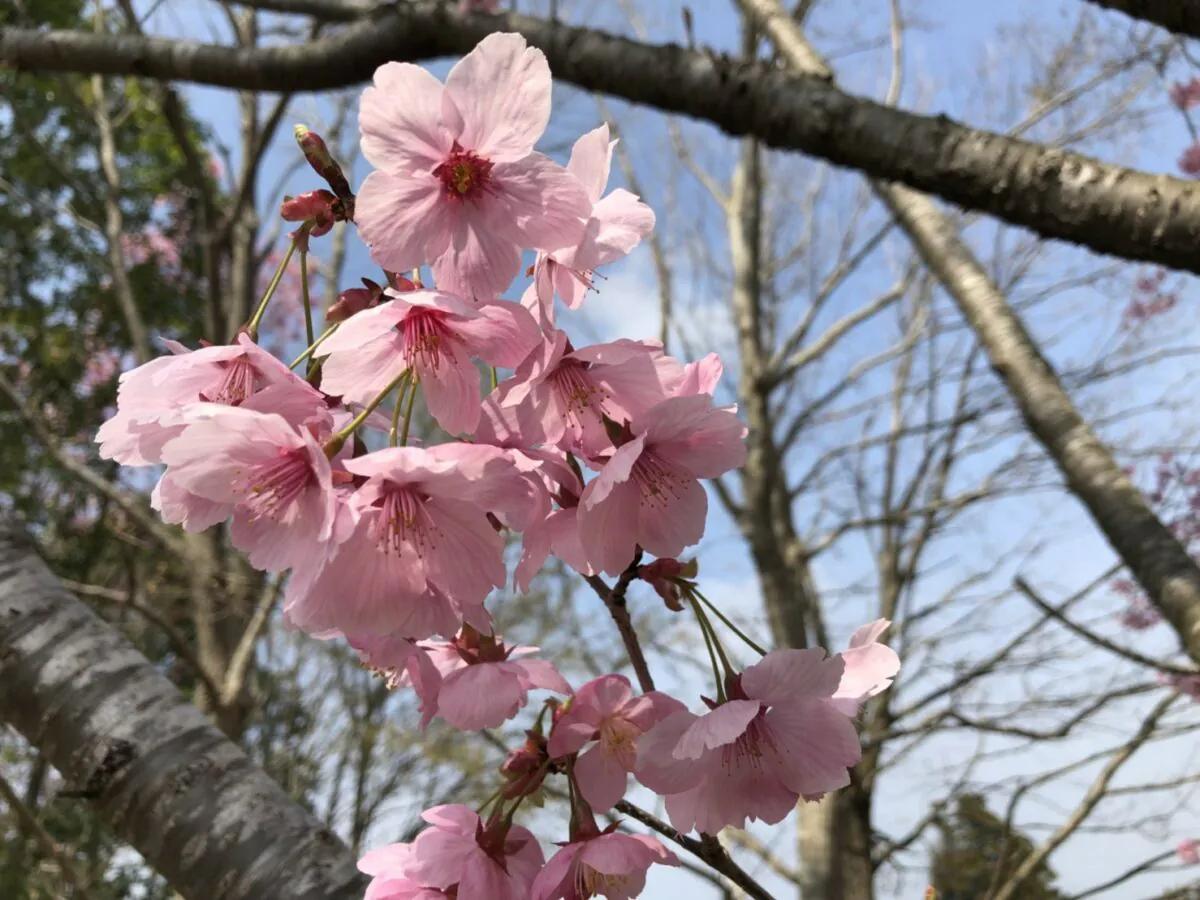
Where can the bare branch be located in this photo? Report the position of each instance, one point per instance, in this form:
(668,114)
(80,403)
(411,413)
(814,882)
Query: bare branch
(1054,192)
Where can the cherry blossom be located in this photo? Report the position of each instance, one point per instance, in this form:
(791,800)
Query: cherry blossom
(870,668)
(1189,852)
(648,492)
(776,739)
(434,334)
(618,223)
(480,859)
(457,183)
(417,556)
(605,711)
(612,864)
(274,479)
(485,683)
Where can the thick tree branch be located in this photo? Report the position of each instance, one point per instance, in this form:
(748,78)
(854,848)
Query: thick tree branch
(1179,16)
(1051,191)
(215,826)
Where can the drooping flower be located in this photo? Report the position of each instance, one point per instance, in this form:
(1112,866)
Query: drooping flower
(618,223)
(870,668)
(648,492)
(150,396)
(418,555)
(273,478)
(480,859)
(775,740)
(605,711)
(610,864)
(1189,852)
(485,683)
(457,183)
(402,663)
(436,335)
(559,395)
(386,866)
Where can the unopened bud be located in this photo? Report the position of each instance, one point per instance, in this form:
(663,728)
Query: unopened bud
(348,303)
(319,158)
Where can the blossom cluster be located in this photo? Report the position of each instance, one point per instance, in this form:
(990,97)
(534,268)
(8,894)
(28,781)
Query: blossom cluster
(593,453)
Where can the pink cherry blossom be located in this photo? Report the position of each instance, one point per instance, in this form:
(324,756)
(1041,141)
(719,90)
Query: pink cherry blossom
(1185,684)
(618,223)
(775,740)
(557,533)
(486,683)
(436,335)
(699,377)
(648,493)
(387,867)
(1189,852)
(870,668)
(149,396)
(418,554)
(403,663)
(457,182)
(558,395)
(274,479)
(611,864)
(605,710)
(481,860)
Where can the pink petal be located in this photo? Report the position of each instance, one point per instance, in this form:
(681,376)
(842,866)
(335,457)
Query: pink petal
(606,694)
(601,778)
(389,860)
(591,158)
(481,259)
(869,633)
(502,90)
(503,335)
(467,561)
(673,520)
(788,676)
(452,393)
(405,221)
(364,328)
(721,726)
(400,120)
(689,432)
(606,529)
(816,745)
(616,471)
(869,670)
(657,767)
(701,377)
(480,696)
(554,880)
(542,203)
(177,506)
(358,376)
(540,673)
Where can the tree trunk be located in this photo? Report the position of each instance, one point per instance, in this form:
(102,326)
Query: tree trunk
(168,782)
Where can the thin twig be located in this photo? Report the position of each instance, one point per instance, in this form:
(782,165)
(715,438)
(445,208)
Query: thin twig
(67,868)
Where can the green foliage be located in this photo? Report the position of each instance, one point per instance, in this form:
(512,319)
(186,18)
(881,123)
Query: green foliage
(974,844)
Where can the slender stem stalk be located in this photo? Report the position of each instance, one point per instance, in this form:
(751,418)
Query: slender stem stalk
(256,320)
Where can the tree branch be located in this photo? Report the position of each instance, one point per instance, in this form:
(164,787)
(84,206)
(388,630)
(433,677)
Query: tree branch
(1179,16)
(167,781)
(1054,192)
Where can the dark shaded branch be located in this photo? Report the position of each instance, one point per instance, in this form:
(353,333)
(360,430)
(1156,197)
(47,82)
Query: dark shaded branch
(168,782)
(1179,16)
(1054,192)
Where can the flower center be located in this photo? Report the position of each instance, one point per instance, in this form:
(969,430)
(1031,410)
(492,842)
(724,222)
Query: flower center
(426,339)
(657,482)
(576,392)
(589,882)
(750,747)
(402,520)
(618,741)
(464,176)
(274,485)
(237,383)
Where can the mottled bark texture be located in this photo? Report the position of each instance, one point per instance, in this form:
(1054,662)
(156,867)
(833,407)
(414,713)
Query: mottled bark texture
(1179,16)
(168,782)
(1053,192)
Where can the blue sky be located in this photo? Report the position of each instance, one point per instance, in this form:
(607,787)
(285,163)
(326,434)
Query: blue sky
(956,63)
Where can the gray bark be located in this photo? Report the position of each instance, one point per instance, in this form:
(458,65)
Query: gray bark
(168,782)
(1180,16)
(1053,192)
